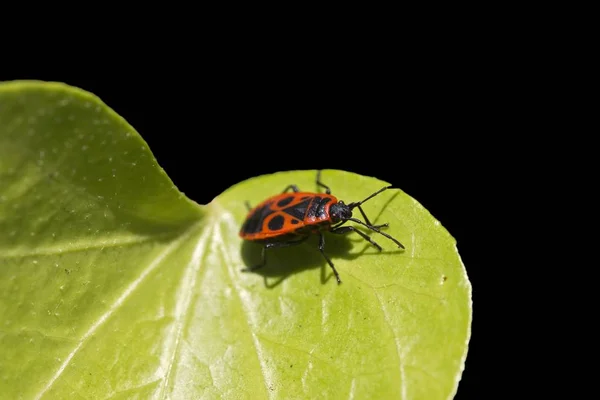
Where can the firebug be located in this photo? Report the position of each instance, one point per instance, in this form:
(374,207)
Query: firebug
(289,218)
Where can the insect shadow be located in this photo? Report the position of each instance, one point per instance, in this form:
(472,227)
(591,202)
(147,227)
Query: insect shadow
(285,262)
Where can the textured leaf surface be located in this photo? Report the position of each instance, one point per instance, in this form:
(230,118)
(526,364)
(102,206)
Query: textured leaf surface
(114,285)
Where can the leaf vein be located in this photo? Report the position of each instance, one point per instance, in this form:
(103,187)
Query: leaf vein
(83,245)
(218,237)
(183,304)
(403,389)
(104,317)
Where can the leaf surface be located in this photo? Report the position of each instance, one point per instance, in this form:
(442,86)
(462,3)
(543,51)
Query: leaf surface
(113,284)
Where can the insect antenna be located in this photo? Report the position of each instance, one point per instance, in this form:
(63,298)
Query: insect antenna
(358,203)
(368,223)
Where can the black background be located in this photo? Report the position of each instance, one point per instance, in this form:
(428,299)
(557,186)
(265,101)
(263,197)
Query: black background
(425,126)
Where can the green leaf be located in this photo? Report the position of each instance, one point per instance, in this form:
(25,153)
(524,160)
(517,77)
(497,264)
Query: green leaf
(114,284)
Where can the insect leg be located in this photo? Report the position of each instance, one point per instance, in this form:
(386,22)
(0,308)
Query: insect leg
(319,183)
(376,229)
(322,249)
(272,245)
(338,225)
(263,261)
(369,222)
(346,229)
(293,187)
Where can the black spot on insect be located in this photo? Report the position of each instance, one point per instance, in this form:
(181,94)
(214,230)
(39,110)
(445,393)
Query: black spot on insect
(314,205)
(304,197)
(298,210)
(254,223)
(276,223)
(295,221)
(321,209)
(285,202)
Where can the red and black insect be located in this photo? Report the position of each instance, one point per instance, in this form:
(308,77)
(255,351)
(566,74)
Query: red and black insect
(288,219)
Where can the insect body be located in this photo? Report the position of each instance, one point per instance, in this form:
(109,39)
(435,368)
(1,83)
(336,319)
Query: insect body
(289,218)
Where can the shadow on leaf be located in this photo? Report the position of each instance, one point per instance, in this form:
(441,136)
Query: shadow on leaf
(285,262)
